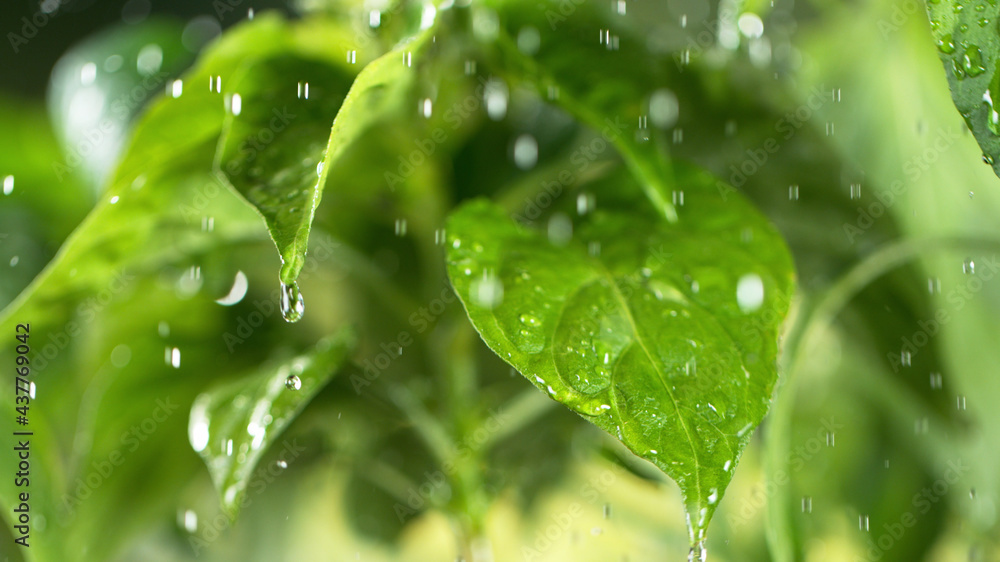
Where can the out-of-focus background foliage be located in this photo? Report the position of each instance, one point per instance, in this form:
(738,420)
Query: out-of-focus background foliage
(884,441)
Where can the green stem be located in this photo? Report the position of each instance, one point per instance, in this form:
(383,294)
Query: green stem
(806,332)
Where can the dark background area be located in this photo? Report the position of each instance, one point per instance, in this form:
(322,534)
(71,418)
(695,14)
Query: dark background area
(55,25)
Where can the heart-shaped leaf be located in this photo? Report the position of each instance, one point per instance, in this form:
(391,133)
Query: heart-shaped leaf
(663,334)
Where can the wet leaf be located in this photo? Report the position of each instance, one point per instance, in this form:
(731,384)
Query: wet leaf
(967,40)
(665,335)
(612,92)
(232,425)
(279,115)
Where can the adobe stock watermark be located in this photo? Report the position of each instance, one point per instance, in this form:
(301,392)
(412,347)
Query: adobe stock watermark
(323,248)
(436,486)
(420,320)
(31,26)
(102,469)
(581,159)
(251,147)
(752,503)
(563,9)
(913,168)
(901,13)
(786,128)
(957,298)
(86,311)
(454,117)
(262,477)
(546,535)
(921,504)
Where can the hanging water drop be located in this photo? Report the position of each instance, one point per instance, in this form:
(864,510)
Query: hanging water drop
(698,553)
(292,303)
(293,382)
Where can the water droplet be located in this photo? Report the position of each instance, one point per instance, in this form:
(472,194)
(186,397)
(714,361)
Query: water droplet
(487,292)
(750,292)
(8,185)
(988,159)
(173,357)
(905,358)
(855,191)
(292,304)
(189,520)
(863,522)
(530,320)
(525,152)
(281,464)
(793,193)
(946,44)
(293,382)
(607,511)
(972,61)
(528,40)
(713,496)
(807,504)
(698,553)
(961,402)
(400,227)
(936,380)
(663,108)
(968,266)
(933,285)
(992,117)
(496,94)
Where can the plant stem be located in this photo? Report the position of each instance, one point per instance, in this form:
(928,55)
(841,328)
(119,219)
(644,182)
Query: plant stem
(805,333)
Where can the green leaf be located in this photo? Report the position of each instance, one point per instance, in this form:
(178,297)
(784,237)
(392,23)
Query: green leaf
(613,88)
(663,334)
(280,111)
(232,425)
(968,44)
(382,90)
